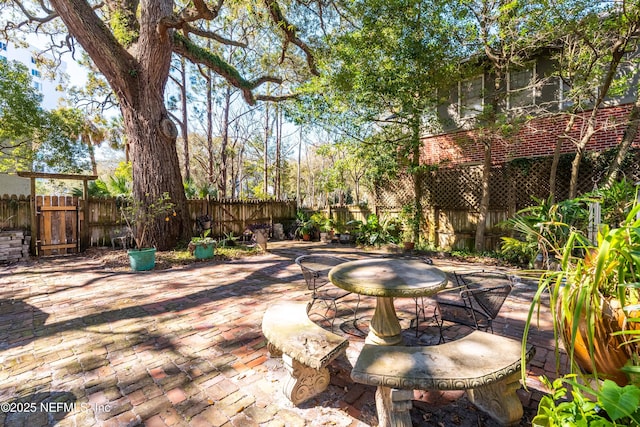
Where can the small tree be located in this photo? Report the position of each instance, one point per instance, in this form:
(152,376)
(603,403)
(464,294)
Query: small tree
(141,216)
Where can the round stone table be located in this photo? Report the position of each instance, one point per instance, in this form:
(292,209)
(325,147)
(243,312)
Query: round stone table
(386,279)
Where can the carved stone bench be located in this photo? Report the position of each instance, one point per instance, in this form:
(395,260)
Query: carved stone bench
(487,366)
(305,347)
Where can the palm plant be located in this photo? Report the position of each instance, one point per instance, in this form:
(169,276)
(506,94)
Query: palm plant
(373,232)
(542,228)
(593,283)
(617,200)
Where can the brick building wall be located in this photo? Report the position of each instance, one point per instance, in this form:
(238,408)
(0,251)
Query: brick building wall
(537,138)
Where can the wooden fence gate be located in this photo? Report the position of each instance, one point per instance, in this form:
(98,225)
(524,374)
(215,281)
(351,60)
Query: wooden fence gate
(58,230)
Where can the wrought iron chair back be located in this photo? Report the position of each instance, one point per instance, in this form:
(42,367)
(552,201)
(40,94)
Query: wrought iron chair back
(315,270)
(481,296)
(488,290)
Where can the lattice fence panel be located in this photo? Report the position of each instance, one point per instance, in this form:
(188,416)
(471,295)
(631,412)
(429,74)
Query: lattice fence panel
(458,188)
(512,185)
(395,193)
(530,180)
(461,188)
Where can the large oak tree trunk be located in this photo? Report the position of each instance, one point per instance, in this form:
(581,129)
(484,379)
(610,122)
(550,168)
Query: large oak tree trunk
(138,75)
(152,138)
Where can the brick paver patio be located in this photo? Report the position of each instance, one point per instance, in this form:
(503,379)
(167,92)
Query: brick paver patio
(82,346)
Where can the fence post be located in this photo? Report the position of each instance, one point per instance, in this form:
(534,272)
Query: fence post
(34,224)
(84,232)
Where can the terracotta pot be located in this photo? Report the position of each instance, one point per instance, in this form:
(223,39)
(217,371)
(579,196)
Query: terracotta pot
(609,351)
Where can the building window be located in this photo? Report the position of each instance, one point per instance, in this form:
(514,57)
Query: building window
(564,94)
(470,95)
(37,85)
(3,58)
(521,88)
(33,60)
(3,46)
(35,73)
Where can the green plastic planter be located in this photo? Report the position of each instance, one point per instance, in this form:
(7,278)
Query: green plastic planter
(143,259)
(203,251)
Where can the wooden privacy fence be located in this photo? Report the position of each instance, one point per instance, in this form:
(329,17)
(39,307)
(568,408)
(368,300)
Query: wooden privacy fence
(342,214)
(61,216)
(445,228)
(234,216)
(15,212)
(227,216)
(57,227)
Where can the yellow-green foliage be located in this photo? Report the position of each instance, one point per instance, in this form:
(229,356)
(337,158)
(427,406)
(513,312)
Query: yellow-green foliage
(123,31)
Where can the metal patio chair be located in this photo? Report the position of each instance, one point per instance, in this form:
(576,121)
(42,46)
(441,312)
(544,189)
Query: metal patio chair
(476,302)
(315,269)
(420,305)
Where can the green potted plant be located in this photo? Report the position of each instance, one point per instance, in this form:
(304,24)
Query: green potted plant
(325,226)
(609,405)
(202,247)
(340,228)
(595,301)
(139,217)
(306,226)
(410,225)
(307,229)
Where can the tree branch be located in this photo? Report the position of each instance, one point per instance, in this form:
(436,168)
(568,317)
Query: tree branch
(189,14)
(276,98)
(265,79)
(198,55)
(291,33)
(175,118)
(212,35)
(111,58)
(50,15)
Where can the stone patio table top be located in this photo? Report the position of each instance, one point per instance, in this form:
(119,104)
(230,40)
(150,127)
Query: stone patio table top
(386,279)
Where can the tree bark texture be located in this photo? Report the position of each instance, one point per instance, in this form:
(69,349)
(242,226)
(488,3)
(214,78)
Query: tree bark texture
(628,137)
(184,124)
(484,200)
(553,175)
